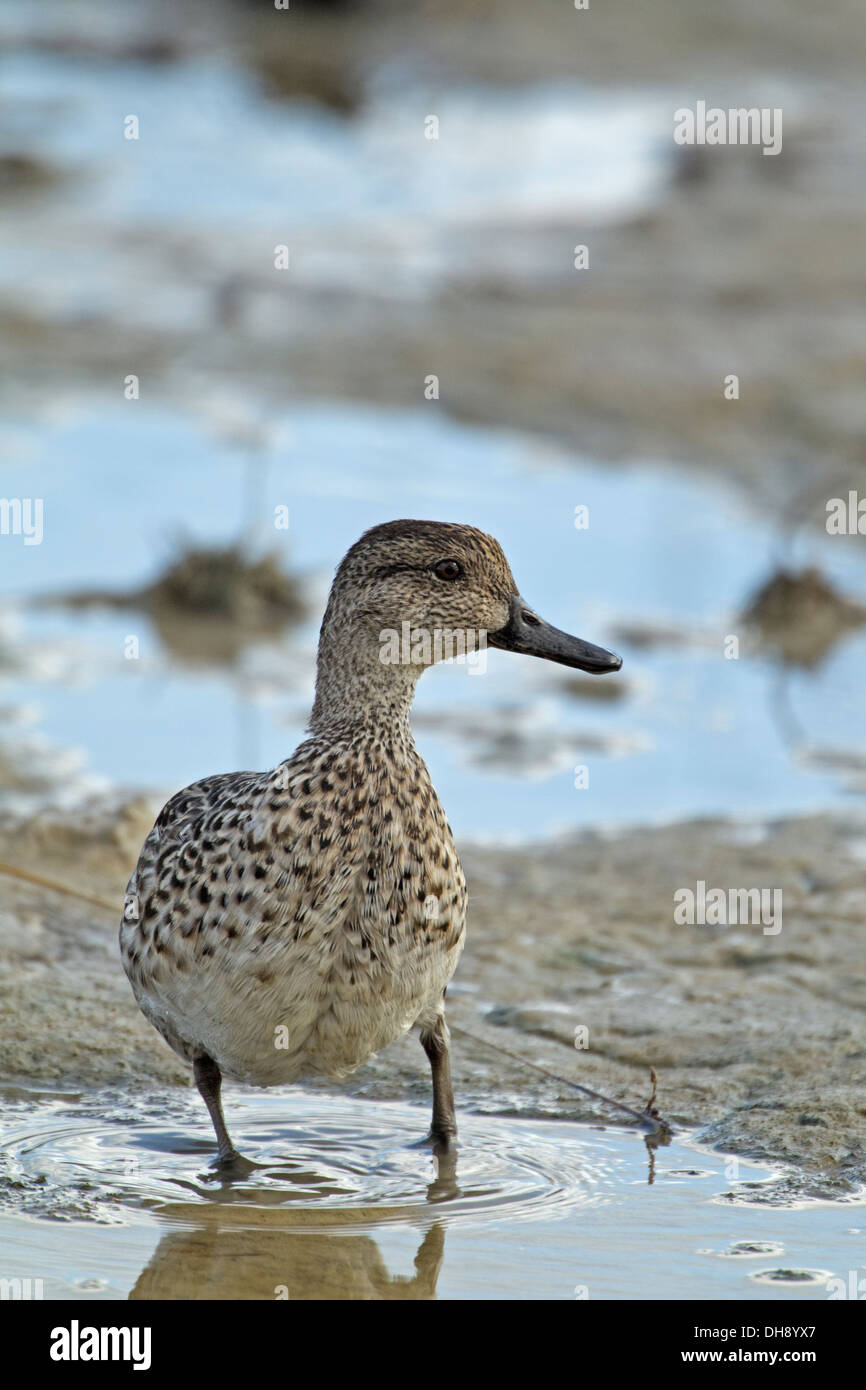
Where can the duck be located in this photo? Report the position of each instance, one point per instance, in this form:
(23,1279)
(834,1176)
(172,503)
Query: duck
(287,925)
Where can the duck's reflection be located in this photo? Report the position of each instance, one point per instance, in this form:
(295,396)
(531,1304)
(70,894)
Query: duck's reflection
(255,1243)
(213,1263)
(234,1249)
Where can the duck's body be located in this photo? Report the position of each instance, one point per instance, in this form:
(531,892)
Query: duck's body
(293,923)
(289,924)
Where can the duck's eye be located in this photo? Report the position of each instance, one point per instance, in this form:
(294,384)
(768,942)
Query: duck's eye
(447,569)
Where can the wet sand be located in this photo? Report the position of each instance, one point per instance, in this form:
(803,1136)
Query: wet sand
(758,1040)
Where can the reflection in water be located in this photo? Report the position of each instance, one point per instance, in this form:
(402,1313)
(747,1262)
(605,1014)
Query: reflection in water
(272,1257)
(444,1187)
(211,1261)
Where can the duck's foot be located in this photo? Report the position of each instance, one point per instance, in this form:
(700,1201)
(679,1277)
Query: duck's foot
(230,1166)
(440,1141)
(443,1145)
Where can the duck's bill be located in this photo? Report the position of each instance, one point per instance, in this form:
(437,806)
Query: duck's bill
(525,632)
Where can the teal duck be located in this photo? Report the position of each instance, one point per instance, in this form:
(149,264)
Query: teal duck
(288,924)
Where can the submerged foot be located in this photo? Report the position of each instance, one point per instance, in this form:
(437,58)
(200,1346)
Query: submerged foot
(231,1165)
(440,1141)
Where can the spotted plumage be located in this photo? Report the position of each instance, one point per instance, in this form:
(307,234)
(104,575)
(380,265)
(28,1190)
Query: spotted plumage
(290,923)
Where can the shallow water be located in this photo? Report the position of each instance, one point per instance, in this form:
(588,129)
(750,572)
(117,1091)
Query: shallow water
(121,1201)
(693,734)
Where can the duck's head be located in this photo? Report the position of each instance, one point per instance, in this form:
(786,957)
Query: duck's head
(424,578)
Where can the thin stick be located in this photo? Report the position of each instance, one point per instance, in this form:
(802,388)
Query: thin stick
(648,1121)
(651,1103)
(12,872)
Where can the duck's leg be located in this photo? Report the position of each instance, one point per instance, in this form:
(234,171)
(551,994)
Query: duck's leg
(208,1078)
(434,1040)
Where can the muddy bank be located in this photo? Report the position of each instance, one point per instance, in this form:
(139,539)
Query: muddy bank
(758,1039)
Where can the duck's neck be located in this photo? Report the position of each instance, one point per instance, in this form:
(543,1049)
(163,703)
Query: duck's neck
(357,695)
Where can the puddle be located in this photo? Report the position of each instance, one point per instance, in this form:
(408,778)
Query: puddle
(343,1203)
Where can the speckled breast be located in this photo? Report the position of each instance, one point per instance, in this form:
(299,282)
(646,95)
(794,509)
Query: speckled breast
(293,923)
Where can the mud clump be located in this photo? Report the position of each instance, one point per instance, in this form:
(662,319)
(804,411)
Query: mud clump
(799,617)
(209,603)
(24,173)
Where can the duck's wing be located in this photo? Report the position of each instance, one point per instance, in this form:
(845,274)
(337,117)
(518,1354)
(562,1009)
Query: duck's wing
(197,840)
(212,800)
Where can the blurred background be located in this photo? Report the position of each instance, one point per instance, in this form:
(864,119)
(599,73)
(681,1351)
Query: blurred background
(210,421)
